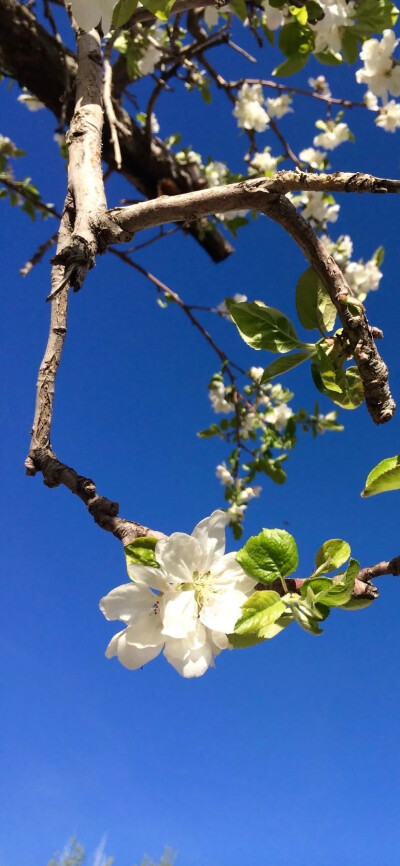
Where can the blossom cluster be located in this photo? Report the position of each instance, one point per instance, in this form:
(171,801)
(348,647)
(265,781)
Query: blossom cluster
(381,74)
(186,606)
(249,107)
(362,277)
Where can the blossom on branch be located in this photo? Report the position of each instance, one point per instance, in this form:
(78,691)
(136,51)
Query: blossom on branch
(187,606)
(89,13)
(249,109)
(380,72)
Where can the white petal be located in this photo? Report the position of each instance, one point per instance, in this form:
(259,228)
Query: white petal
(127,601)
(179,613)
(86,13)
(130,656)
(218,641)
(220,612)
(145,631)
(210,534)
(187,661)
(179,557)
(148,576)
(227,572)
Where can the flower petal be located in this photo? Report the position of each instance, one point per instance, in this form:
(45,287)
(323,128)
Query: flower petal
(189,662)
(145,631)
(179,557)
(127,601)
(210,533)
(179,613)
(130,656)
(227,572)
(148,576)
(221,611)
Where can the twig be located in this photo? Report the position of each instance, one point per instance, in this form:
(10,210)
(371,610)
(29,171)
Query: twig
(18,187)
(107,98)
(373,371)
(38,255)
(286,88)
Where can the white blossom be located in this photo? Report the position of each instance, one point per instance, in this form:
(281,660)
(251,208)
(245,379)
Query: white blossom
(215,173)
(256,373)
(329,29)
(223,474)
(315,158)
(363,277)
(341,250)
(249,493)
(250,422)
(332,134)
(152,53)
(263,163)
(371,101)
(320,85)
(248,108)
(379,72)
(199,592)
(235,512)
(274,18)
(188,156)
(223,309)
(31,102)
(389,116)
(278,416)
(89,13)
(317,206)
(217,396)
(211,16)
(280,106)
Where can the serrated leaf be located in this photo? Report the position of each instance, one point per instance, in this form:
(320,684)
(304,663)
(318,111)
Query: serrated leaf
(283,365)
(269,631)
(141,551)
(259,611)
(123,11)
(270,555)
(341,589)
(333,553)
(385,476)
(263,327)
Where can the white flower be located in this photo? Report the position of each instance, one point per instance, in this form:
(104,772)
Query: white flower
(329,29)
(248,108)
(363,277)
(88,13)
(215,172)
(280,106)
(188,156)
(223,309)
(152,53)
(317,206)
(250,422)
(278,416)
(211,17)
(341,250)
(389,116)
(379,72)
(274,18)
(263,163)
(236,512)
(333,134)
(320,85)
(371,101)
(315,158)
(256,373)
(249,493)
(31,102)
(217,397)
(200,592)
(223,474)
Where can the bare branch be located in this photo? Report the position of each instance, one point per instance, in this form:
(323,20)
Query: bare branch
(38,255)
(108,103)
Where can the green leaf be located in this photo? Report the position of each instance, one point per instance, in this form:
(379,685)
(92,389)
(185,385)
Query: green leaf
(270,555)
(305,611)
(374,16)
(274,470)
(282,365)
(341,589)
(295,39)
(299,12)
(141,551)
(123,11)
(292,65)
(349,45)
(211,431)
(357,603)
(264,327)
(314,306)
(272,629)
(333,554)
(379,256)
(385,476)
(160,8)
(239,8)
(344,387)
(241,641)
(259,611)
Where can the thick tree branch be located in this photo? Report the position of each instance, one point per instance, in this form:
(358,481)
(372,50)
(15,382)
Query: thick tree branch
(35,59)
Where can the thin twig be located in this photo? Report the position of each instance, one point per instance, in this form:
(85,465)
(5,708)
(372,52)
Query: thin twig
(18,187)
(38,255)
(286,88)
(107,98)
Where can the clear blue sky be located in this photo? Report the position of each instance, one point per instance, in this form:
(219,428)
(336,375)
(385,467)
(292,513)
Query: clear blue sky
(287,753)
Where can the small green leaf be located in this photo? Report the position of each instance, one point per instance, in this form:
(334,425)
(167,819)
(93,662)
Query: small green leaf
(349,45)
(259,611)
(379,256)
(385,476)
(357,603)
(263,327)
(141,551)
(211,431)
(241,641)
(305,611)
(333,554)
(314,306)
(282,365)
(270,555)
(291,66)
(341,588)
(160,8)
(123,11)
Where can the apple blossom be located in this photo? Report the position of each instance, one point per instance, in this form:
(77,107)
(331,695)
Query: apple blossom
(280,106)
(363,277)
(223,474)
(315,158)
(274,18)
(248,108)
(332,134)
(217,397)
(31,102)
(263,163)
(187,606)
(89,13)
(329,29)
(389,116)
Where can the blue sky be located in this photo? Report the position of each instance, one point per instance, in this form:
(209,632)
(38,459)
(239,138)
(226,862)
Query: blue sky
(287,753)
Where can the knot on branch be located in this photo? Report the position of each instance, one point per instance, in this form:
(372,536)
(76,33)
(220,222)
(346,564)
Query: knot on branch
(77,258)
(360,182)
(109,232)
(394,566)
